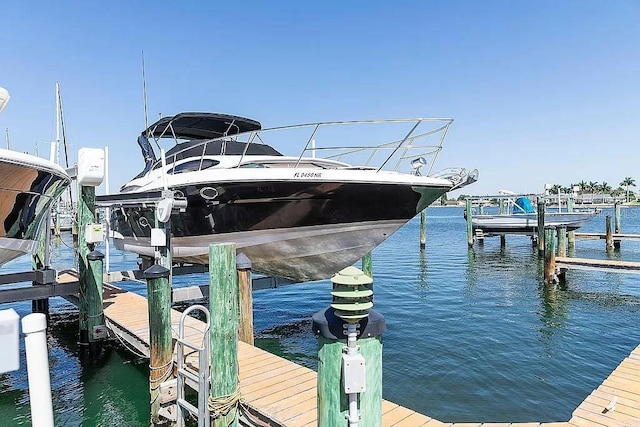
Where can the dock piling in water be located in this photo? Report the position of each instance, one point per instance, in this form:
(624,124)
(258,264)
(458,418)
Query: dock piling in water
(571,235)
(245,330)
(609,234)
(562,241)
(550,256)
(468,212)
(423,233)
(541,243)
(223,307)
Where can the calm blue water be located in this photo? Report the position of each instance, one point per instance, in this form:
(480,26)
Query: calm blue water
(472,334)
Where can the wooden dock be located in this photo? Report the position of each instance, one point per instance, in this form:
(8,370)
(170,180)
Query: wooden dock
(565,263)
(602,236)
(283,393)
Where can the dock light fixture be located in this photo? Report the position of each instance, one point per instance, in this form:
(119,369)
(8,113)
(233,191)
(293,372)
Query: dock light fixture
(416,164)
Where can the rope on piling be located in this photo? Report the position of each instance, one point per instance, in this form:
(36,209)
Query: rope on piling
(222,405)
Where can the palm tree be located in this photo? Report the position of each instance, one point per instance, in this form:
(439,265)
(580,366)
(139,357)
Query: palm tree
(628,182)
(605,188)
(593,185)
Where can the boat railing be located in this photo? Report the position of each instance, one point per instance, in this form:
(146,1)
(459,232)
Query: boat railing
(403,145)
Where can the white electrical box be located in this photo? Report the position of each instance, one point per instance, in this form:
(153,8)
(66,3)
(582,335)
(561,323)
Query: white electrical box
(158,237)
(353,373)
(9,341)
(94,233)
(90,166)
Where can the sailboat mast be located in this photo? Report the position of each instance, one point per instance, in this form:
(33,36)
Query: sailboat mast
(57,152)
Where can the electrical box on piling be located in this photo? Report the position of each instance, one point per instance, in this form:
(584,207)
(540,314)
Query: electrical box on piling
(90,166)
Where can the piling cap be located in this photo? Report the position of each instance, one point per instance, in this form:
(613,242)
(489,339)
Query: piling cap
(156,271)
(351,276)
(95,256)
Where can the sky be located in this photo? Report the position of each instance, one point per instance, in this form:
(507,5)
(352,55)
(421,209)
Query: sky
(540,91)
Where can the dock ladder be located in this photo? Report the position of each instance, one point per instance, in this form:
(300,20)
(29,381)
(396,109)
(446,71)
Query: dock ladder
(199,379)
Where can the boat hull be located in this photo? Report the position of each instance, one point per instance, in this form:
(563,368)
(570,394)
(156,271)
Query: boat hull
(28,187)
(300,231)
(528,223)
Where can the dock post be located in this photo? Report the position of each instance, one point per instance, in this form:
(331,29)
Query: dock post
(86,216)
(95,313)
(367,264)
(616,209)
(223,306)
(562,241)
(571,235)
(40,260)
(549,256)
(349,371)
(609,235)
(541,243)
(423,233)
(245,330)
(160,344)
(503,240)
(468,213)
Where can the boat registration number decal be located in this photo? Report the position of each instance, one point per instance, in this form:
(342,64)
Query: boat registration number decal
(307,175)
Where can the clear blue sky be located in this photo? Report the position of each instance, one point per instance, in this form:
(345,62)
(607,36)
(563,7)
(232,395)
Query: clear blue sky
(541,91)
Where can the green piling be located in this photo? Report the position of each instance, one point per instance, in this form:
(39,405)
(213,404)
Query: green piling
(348,372)
(571,235)
(86,216)
(609,234)
(39,261)
(367,264)
(423,233)
(540,226)
(468,213)
(223,306)
(95,313)
(160,343)
(562,241)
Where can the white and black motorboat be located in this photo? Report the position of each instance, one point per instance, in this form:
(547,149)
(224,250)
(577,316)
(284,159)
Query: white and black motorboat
(301,217)
(28,187)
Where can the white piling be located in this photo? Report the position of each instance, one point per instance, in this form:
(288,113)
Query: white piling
(34,326)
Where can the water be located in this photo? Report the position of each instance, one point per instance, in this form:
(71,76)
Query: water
(472,334)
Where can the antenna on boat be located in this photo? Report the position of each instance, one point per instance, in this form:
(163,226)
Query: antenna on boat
(144,93)
(6,137)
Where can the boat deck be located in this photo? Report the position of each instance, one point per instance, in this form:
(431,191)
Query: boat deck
(285,393)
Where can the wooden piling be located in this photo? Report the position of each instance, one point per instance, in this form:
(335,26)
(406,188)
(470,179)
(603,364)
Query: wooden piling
(95,314)
(562,241)
(549,256)
(468,213)
(39,261)
(160,343)
(571,235)
(609,234)
(86,216)
(423,233)
(223,306)
(541,242)
(245,329)
(367,265)
(503,240)
(616,209)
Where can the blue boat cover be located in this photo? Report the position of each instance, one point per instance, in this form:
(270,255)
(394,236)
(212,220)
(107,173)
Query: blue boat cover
(523,205)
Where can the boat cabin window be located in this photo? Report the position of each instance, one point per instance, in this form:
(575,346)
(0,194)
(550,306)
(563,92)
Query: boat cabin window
(193,165)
